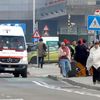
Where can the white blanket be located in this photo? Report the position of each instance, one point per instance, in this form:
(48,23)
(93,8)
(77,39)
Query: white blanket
(94,58)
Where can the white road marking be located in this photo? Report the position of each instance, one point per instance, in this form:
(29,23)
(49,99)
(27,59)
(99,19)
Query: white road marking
(43,84)
(11,99)
(8,96)
(2,94)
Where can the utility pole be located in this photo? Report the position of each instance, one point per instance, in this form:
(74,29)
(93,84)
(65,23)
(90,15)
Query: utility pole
(33,16)
(34,27)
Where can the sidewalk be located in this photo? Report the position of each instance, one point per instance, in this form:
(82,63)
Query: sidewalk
(53,71)
(48,69)
(85,82)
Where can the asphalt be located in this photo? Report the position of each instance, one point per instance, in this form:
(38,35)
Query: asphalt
(53,71)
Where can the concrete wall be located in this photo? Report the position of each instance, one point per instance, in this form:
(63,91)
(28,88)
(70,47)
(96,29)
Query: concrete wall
(15,9)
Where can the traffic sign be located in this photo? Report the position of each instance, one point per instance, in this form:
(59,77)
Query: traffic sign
(36,34)
(46,28)
(97,12)
(93,23)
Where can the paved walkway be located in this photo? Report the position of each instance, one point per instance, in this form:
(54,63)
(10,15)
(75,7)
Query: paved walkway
(48,69)
(54,72)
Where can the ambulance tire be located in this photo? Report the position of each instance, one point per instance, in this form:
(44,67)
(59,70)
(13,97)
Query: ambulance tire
(16,74)
(24,73)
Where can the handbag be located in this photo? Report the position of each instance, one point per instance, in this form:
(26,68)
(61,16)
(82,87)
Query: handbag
(44,54)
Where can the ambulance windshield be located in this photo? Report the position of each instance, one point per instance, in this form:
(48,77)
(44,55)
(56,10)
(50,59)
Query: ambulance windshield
(12,42)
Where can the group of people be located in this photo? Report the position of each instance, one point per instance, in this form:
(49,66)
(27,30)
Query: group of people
(79,51)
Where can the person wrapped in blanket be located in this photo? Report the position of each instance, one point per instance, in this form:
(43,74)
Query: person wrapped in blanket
(94,61)
(64,59)
(81,55)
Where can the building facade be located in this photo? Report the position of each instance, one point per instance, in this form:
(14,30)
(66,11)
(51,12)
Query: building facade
(61,16)
(17,12)
(66,16)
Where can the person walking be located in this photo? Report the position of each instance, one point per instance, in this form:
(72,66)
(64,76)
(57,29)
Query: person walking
(64,59)
(93,61)
(41,52)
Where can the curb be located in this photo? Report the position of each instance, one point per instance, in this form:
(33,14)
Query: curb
(73,82)
(81,84)
(53,77)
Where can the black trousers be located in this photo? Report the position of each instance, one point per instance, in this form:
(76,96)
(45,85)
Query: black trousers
(96,74)
(41,61)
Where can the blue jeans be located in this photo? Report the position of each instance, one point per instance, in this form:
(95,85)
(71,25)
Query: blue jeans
(65,66)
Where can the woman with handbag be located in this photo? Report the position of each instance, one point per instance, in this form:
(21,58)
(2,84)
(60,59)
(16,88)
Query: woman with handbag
(41,52)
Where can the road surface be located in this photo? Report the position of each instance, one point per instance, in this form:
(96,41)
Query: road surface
(42,88)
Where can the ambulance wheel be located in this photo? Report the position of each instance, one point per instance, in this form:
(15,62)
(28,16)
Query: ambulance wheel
(16,75)
(24,73)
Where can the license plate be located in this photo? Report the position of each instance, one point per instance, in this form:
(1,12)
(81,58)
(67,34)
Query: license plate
(9,69)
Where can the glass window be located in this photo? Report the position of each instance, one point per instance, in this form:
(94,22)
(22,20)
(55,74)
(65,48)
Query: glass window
(91,2)
(12,42)
(98,2)
(81,2)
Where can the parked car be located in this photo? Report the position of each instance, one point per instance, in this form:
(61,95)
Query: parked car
(31,47)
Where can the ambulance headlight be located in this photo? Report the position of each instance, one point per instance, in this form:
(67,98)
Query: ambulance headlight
(24,59)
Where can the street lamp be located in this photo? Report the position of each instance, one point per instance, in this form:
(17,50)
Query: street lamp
(69,16)
(69,22)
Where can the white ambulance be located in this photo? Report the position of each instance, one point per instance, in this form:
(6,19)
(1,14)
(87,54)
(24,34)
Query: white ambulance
(13,51)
